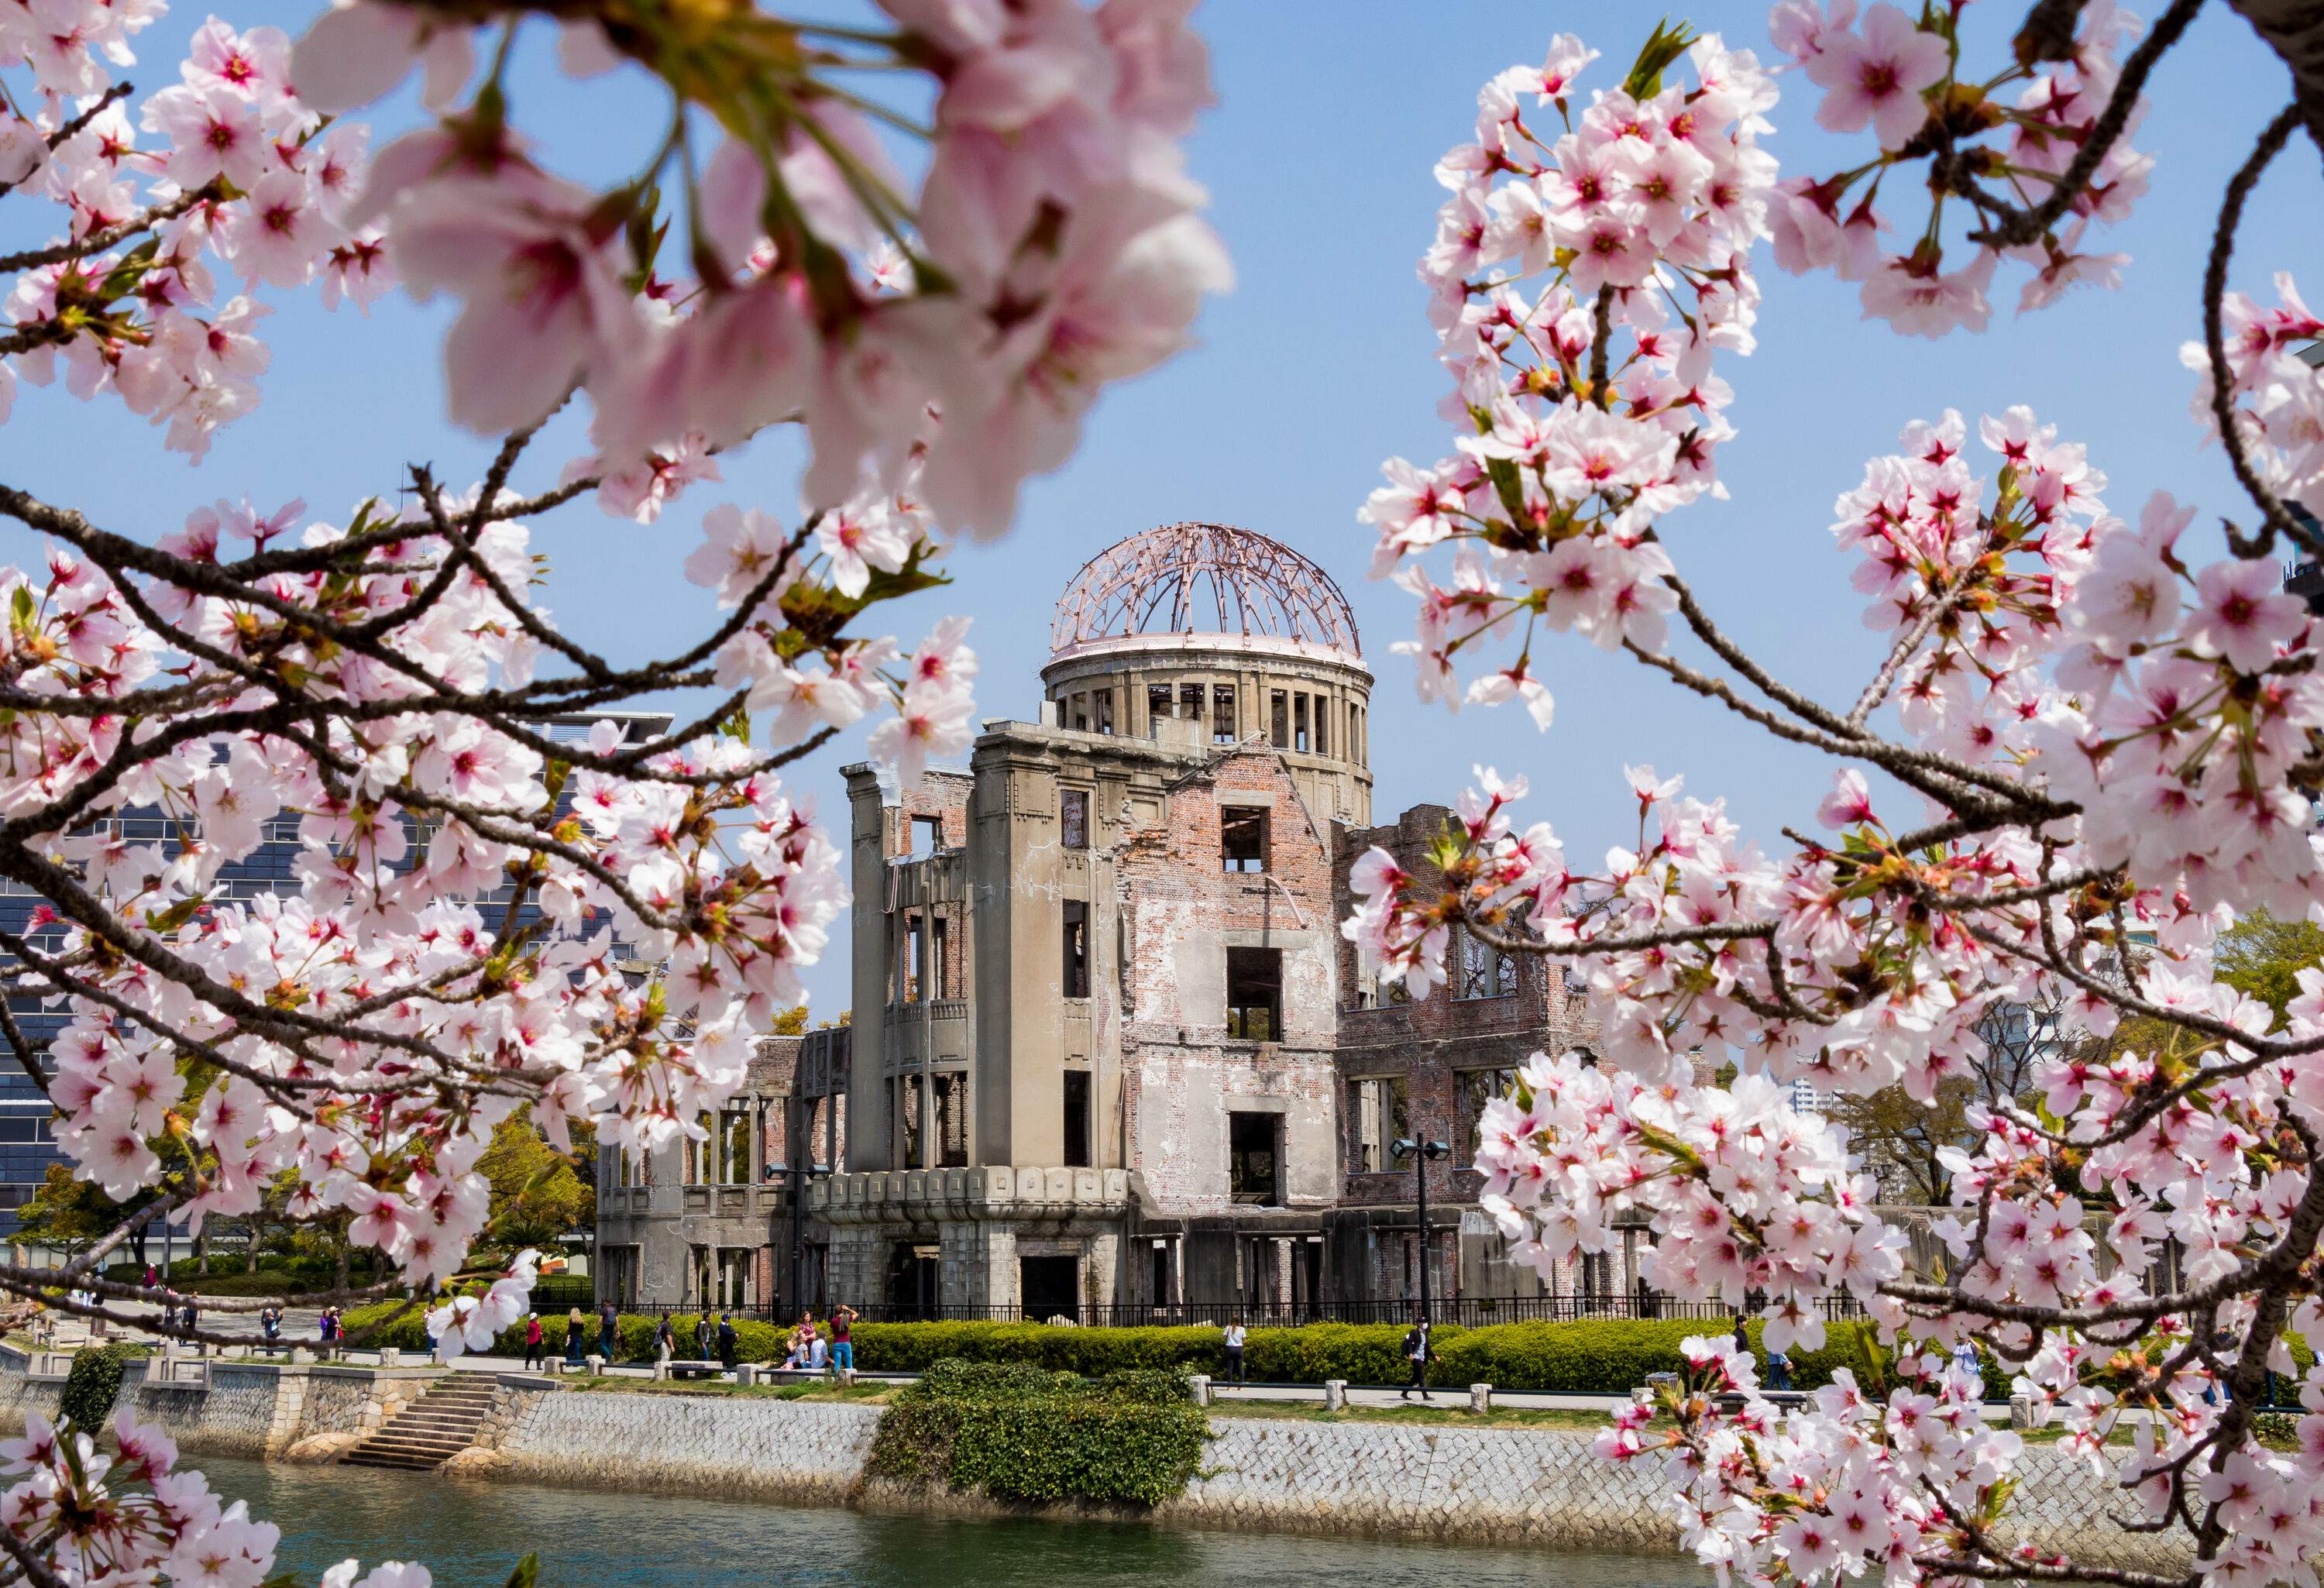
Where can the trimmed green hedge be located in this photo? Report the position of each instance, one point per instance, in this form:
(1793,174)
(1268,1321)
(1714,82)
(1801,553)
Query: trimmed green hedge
(91,1385)
(1019,1433)
(1607,1357)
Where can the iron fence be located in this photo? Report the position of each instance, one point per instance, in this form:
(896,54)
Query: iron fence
(1466,1312)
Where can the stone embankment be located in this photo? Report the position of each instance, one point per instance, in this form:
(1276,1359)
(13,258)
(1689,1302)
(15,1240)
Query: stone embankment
(1510,1486)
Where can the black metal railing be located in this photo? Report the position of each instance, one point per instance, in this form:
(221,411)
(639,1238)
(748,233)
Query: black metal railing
(1466,1312)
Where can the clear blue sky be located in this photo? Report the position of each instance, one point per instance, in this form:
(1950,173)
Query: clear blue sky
(1316,367)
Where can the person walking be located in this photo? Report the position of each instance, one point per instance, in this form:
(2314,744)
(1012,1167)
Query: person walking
(665,1340)
(1779,1371)
(842,1341)
(1415,1352)
(533,1353)
(269,1324)
(609,1331)
(152,1278)
(703,1330)
(576,1337)
(1235,1336)
(727,1341)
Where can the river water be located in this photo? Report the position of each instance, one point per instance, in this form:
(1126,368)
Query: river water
(470,1534)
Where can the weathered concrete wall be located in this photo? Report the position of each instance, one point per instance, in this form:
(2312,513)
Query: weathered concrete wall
(1481,1485)
(807,1454)
(258,1410)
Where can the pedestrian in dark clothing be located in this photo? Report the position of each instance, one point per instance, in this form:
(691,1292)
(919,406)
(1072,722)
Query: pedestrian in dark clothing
(727,1339)
(1742,1339)
(576,1337)
(1235,1336)
(665,1340)
(703,1330)
(609,1329)
(1415,1352)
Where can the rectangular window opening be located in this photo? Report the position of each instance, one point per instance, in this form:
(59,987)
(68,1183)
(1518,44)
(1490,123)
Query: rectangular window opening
(1251,1159)
(908,1121)
(1255,994)
(1323,721)
(1242,839)
(940,959)
(1157,707)
(1478,1088)
(1280,719)
(1073,818)
(1299,722)
(1190,702)
(927,835)
(1381,1110)
(1076,949)
(952,1122)
(1077,1119)
(1081,716)
(907,962)
(1101,703)
(1222,714)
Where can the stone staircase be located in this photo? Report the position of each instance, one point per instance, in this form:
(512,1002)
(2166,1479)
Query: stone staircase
(432,1429)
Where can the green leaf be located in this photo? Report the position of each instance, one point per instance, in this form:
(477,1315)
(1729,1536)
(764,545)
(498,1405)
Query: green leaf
(527,1572)
(1665,44)
(20,610)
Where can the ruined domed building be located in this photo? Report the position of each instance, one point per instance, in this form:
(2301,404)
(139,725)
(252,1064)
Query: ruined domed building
(1108,1048)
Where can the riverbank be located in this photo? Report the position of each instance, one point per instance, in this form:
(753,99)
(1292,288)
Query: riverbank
(1526,1486)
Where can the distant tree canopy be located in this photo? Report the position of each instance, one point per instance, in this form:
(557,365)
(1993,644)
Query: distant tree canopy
(537,1194)
(2262,956)
(67,1213)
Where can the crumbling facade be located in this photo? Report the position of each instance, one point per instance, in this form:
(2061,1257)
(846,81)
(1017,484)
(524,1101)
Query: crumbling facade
(1109,1048)
(723,1222)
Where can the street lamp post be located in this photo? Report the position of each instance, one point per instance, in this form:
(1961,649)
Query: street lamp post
(1421,1153)
(794,1178)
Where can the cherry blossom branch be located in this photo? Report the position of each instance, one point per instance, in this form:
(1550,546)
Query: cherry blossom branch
(2274,517)
(2018,227)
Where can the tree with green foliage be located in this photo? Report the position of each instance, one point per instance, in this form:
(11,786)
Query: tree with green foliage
(2262,956)
(537,1194)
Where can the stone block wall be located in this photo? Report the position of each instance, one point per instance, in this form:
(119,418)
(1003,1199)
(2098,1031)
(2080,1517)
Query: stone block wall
(800,1453)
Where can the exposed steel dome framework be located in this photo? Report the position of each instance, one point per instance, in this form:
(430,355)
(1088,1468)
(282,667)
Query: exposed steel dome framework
(1202,579)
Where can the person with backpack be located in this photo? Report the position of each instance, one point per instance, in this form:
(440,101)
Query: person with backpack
(1416,1352)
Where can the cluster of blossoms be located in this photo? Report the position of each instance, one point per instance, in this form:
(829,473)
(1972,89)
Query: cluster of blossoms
(127,1515)
(467,919)
(245,183)
(2105,747)
(1901,76)
(1580,303)
(1052,245)
(484,916)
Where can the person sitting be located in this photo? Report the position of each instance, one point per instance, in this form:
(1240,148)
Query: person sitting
(818,1357)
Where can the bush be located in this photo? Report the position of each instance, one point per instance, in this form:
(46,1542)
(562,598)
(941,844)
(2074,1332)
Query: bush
(1021,1433)
(1607,1357)
(91,1386)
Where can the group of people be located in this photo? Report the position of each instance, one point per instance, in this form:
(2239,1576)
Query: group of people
(808,1349)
